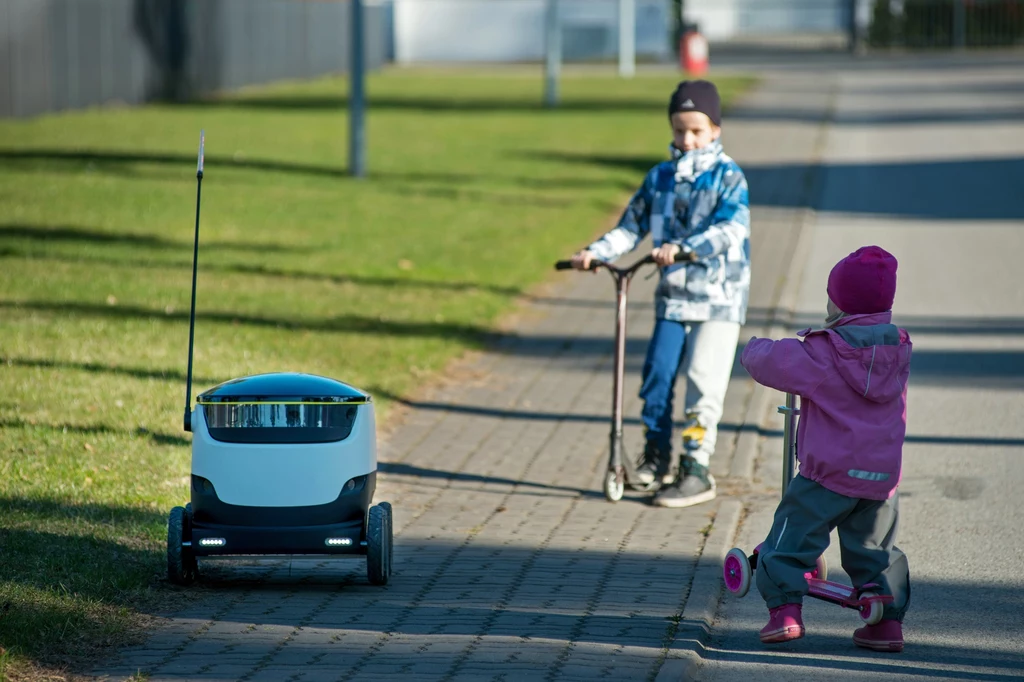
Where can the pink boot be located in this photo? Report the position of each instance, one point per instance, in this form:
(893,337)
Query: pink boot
(784,624)
(885,636)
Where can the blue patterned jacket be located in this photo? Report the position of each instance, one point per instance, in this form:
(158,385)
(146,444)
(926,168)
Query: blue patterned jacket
(697,200)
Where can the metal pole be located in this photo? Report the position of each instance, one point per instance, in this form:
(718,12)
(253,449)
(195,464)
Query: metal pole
(851,29)
(195,265)
(860,22)
(357,96)
(789,413)
(627,38)
(552,53)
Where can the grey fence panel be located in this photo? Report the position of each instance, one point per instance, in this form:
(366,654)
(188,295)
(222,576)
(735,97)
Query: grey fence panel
(68,54)
(6,96)
(378,23)
(30,59)
(60,72)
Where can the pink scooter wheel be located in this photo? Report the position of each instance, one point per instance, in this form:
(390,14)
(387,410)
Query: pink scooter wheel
(870,611)
(736,572)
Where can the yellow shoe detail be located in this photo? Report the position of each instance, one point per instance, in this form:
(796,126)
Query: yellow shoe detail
(693,434)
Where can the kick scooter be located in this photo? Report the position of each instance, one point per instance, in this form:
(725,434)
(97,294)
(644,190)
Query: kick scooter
(738,569)
(617,477)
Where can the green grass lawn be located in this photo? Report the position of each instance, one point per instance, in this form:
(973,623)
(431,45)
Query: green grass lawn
(473,191)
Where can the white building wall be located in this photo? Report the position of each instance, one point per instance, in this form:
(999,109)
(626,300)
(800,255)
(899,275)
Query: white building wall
(513,30)
(720,20)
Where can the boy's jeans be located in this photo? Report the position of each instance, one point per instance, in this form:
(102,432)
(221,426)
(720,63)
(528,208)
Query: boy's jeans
(705,352)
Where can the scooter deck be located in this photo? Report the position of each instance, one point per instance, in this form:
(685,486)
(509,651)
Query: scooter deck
(844,595)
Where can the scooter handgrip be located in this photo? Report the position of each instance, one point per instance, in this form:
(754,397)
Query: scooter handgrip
(563,265)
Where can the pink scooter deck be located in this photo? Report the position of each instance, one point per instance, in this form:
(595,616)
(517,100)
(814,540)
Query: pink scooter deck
(844,595)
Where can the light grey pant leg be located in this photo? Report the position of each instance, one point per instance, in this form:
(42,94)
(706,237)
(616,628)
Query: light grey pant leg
(867,540)
(799,535)
(707,362)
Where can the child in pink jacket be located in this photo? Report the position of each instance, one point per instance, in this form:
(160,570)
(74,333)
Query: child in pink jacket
(851,377)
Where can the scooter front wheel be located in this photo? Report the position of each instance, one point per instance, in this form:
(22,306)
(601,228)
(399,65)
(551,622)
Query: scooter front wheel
(737,572)
(614,485)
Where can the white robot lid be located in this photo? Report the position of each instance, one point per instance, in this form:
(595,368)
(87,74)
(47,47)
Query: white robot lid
(284,387)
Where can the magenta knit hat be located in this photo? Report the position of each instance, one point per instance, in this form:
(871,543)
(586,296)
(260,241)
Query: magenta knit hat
(864,282)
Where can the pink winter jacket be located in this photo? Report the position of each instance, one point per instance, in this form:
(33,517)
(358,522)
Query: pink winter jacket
(852,383)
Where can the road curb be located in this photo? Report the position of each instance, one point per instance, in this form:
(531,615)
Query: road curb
(685,656)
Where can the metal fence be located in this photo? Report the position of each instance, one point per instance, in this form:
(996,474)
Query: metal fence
(64,54)
(911,24)
(946,23)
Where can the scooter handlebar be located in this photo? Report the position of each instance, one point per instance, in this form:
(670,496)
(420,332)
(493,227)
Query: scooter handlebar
(683,255)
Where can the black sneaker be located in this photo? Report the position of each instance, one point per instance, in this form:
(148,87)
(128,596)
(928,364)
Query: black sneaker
(653,467)
(695,486)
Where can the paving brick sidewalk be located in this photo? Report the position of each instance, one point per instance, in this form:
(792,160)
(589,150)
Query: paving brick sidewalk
(509,562)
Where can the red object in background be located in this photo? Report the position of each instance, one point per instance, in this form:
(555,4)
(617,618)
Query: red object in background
(693,53)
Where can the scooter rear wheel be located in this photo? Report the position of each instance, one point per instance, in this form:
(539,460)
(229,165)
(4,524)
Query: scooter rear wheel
(820,571)
(614,485)
(870,611)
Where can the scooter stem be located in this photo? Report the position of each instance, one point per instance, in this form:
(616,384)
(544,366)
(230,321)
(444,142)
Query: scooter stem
(621,294)
(789,413)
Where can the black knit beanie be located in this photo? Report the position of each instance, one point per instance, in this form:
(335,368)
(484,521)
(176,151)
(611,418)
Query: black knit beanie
(699,96)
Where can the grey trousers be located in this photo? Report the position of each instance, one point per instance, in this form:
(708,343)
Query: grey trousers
(800,533)
(708,360)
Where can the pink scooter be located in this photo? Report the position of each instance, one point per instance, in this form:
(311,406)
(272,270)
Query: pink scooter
(738,569)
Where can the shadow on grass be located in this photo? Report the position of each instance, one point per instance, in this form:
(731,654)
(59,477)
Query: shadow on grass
(470,335)
(184,160)
(50,509)
(69,598)
(268,271)
(441,104)
(78,235)
(157,437)
(361,280)
(638,164)
(97,368)
(116,161)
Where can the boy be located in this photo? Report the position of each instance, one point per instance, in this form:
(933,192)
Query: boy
(851,376)
(696,203)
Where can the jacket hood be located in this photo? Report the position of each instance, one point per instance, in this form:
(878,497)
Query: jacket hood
(871,354)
